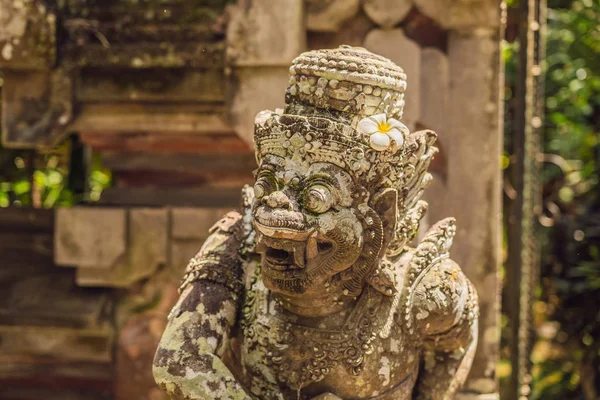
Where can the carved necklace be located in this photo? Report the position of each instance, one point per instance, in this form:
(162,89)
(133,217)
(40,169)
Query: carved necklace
(301,355)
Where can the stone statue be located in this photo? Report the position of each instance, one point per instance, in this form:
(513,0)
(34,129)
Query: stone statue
(313,290)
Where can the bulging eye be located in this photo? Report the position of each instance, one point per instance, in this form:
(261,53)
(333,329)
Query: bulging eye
(264,185)
(318,199)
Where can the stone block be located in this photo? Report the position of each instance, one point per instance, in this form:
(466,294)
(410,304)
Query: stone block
(35,292)
(90,237)
(147,241)
(101,277)
(328,16)
(472,138)
(405,52)
(265,33)
(189,229)
(54,342)
(43,125)
(255,89)
(435,81)
(182,252)
(387,13)
(452,14)
(194,222)
(352,33)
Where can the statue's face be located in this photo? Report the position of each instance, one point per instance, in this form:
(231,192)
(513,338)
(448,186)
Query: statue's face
(308,225)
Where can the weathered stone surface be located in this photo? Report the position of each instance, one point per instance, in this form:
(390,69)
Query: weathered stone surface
(102,85)
(101,277)
(135,352)
(265,33)
(194,222)
(144,34)
(34,291)
(27,35)
(182,252)
(90,237)
(64,343)
(207,196)
(37,106)
(352,33)
(328,16)
(435,84)
(472,191)
(147,242)
(387,13)
(50,329)
(139,335)
(424,30)
(394,45)
(101,389)
(452,14)
(148,238)
(189,229)
(119,118)
(255,89)
(472,396)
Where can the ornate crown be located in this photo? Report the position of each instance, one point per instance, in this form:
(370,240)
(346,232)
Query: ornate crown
(348,80)
(343,107)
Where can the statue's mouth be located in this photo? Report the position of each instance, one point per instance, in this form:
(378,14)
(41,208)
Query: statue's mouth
(288,255)
(291,252)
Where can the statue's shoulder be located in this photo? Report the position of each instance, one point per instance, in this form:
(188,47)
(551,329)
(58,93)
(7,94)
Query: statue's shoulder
(221,257)
(436,290)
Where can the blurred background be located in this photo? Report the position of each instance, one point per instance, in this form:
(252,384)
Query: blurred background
(127,132)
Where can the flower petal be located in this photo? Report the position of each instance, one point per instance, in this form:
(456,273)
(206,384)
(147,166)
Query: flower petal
(379,118)
(379,141)
(367,126)
(394,123)
(396,136)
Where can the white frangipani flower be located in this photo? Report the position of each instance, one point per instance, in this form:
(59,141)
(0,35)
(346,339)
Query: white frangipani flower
(383,131)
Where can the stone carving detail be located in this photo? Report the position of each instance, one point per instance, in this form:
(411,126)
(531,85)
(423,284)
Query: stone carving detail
(313,290)
(461,14)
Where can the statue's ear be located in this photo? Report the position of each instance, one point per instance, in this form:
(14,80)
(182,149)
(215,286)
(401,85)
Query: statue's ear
(385,204)
(261,121)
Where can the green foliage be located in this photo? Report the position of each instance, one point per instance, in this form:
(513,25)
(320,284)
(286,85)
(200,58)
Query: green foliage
(42,180)
(566,357)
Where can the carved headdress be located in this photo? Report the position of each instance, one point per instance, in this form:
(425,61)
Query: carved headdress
(343,107)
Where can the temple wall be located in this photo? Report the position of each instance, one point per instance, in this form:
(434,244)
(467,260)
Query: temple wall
(177,135)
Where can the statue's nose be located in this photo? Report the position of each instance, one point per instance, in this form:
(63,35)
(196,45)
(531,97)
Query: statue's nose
(279,199)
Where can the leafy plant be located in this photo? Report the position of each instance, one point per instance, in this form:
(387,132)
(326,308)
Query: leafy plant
(566,356)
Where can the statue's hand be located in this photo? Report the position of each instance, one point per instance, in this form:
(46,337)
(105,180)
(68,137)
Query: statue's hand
(327,396)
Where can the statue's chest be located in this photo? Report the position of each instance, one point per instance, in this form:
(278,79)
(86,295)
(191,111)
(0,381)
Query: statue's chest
(352,359)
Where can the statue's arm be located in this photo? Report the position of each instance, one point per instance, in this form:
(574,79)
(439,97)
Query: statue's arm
(187,364)
(447,315)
